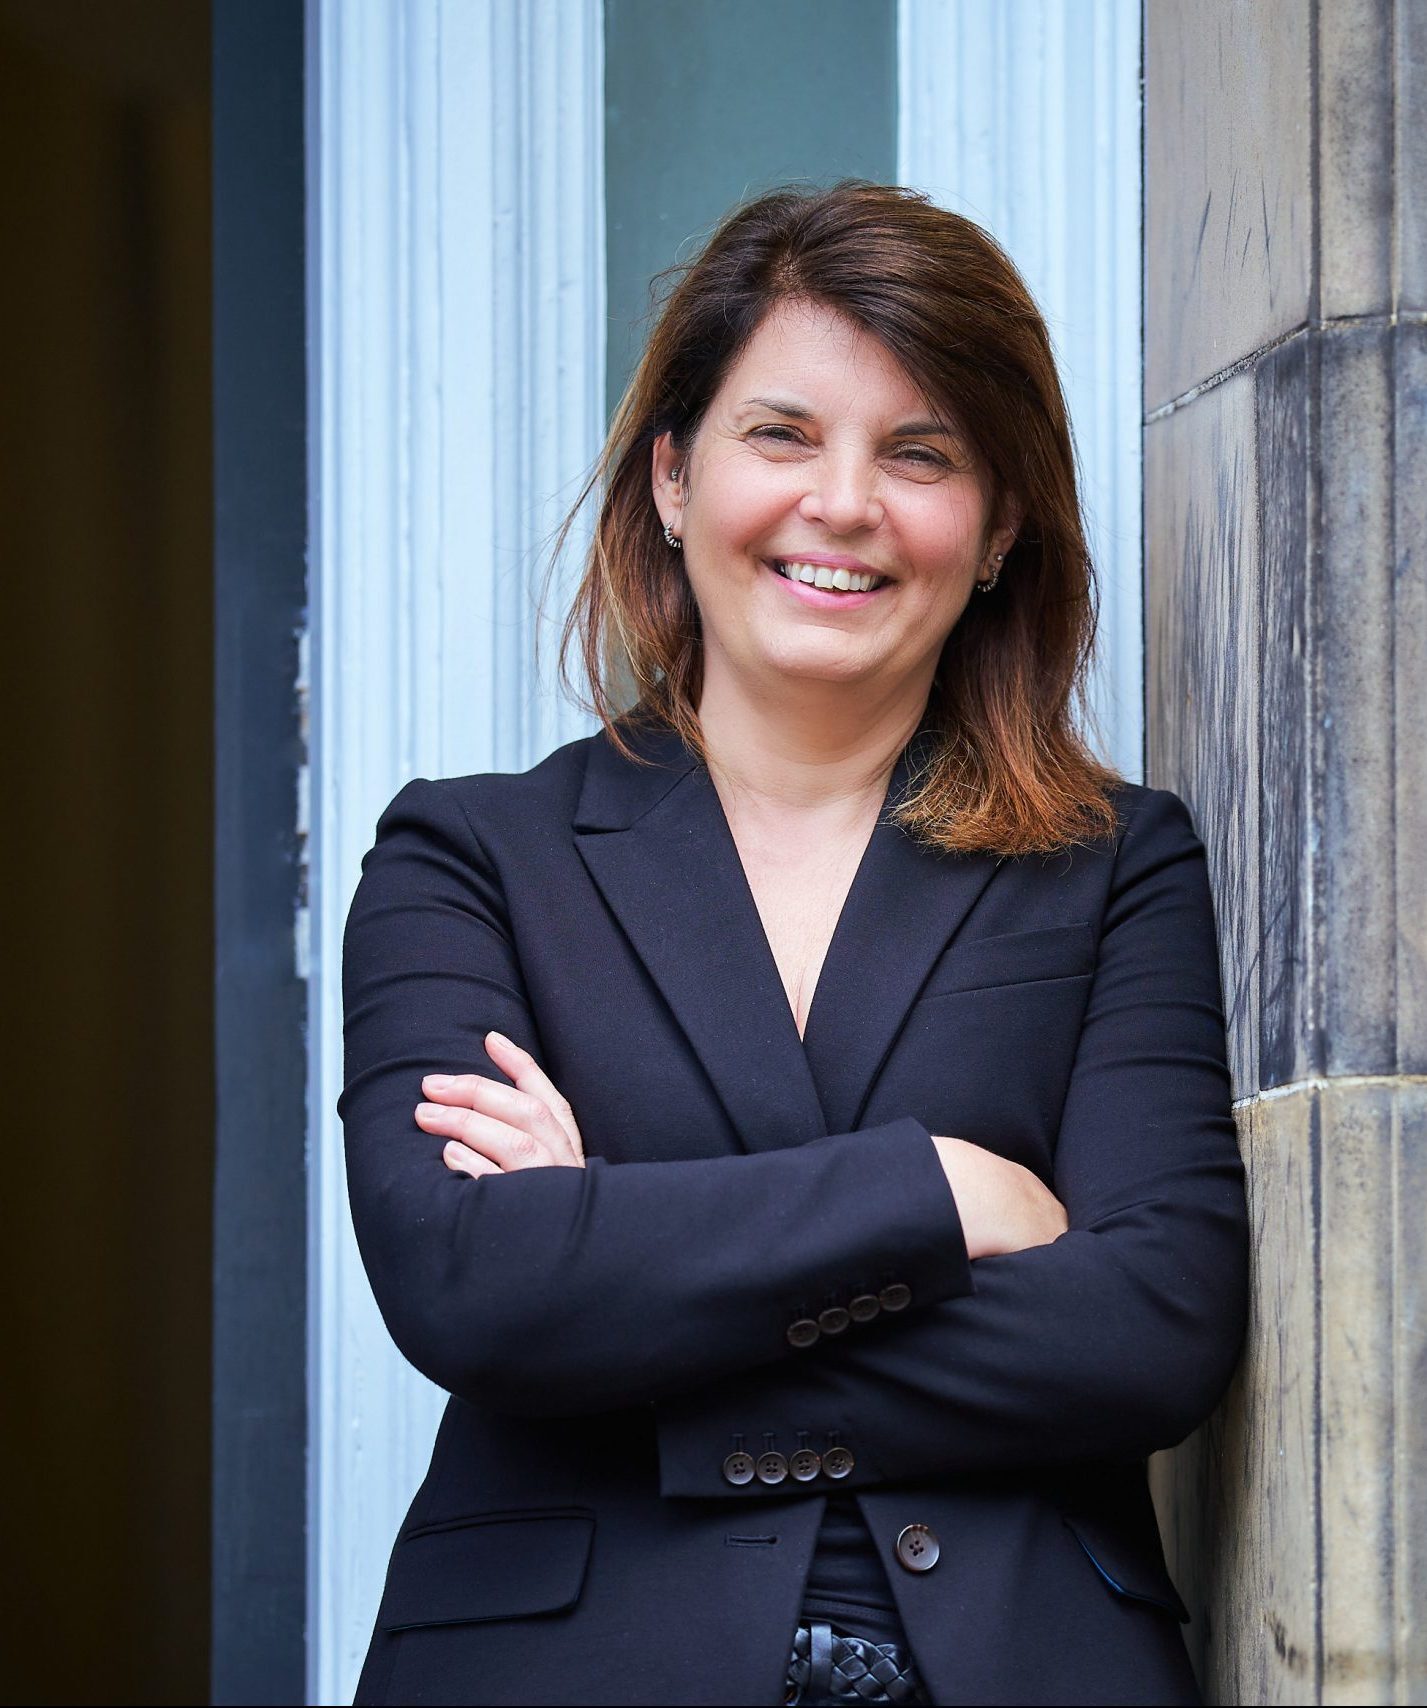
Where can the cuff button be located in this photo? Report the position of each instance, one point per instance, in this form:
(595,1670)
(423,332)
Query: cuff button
(864,1307)
(895,1296)
(803,1332)
(833,1320)
(838,1462)
(772,1467)
(738,1468)
(804,1465)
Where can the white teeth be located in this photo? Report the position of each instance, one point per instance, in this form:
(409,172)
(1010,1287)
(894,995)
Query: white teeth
(840,580)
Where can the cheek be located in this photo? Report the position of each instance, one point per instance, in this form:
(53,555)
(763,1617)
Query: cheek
(940,543)
(744,500)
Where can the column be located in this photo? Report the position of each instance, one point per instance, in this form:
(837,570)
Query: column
(1286,648)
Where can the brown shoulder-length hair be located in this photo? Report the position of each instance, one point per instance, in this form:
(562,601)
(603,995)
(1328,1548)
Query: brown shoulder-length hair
(1006,770)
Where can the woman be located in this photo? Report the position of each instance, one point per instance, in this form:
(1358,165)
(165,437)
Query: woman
(793,1123)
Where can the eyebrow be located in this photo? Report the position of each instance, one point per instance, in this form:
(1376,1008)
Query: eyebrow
(798,412)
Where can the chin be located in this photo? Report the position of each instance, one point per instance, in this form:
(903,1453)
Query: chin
(819,664)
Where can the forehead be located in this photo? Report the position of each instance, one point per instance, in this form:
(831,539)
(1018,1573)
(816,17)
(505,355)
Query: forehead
(811,353)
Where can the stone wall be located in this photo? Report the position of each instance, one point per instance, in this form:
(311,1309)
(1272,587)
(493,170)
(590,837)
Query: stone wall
(1286,673)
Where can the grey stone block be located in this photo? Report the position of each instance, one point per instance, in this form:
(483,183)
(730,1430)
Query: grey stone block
(1410,164)
(1352,597)
(1410,702)
(1228,208)
(1237,1501)
(1409,1309)
(1357,1476)
(1281,437)
(1286,646)
(1356,101)
(1295,1519)
(1202,666)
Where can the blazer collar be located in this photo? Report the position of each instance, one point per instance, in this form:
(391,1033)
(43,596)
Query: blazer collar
(655,841)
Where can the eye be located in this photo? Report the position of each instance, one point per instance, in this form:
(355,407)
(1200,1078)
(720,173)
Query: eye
(918,456)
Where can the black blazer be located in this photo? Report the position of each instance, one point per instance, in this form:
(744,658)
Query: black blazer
(610,1335)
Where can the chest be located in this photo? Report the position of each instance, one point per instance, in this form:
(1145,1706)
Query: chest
(800,886)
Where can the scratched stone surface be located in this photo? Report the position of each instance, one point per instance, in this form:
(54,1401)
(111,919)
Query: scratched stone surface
(1356,1240)
(1410,669)
(1228,145)
(1286,1026)
(1286,699)
(1354,730)
(1295,1520)
(1251,1585)
(1410,164)
(1356,146)
(1202,666)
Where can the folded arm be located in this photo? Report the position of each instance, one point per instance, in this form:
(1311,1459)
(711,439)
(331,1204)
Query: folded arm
(1119,1337)
(557,1291)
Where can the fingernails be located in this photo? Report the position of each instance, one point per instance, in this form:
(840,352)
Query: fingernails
(439,1081)
(499,1037)
(430,1111)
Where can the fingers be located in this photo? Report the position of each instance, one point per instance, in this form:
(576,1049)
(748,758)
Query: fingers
(530,1077)
(525,1125)
(461,1159)
(532,1104)
(508,1146)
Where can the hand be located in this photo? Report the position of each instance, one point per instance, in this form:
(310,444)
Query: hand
(493,1128)
(1003,1207)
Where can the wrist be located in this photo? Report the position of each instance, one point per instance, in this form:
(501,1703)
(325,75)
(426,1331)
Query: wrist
(952,1154)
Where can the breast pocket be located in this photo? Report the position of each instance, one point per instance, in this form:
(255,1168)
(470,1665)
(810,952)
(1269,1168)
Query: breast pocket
(1014,957)
(987,1049)
(492,1565)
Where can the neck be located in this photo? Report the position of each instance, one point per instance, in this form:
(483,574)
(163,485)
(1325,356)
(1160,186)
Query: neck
(805,745)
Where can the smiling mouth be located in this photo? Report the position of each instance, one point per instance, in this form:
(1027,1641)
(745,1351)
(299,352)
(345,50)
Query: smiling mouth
(830,580)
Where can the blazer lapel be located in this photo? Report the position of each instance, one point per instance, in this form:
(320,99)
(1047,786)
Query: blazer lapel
(655,841)
(905,904)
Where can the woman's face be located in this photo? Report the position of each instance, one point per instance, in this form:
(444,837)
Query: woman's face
(818,457)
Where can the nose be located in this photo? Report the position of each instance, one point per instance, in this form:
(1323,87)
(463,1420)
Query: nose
(842,493)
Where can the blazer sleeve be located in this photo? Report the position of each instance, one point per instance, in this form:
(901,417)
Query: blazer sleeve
(1118,1338)
(556,1291)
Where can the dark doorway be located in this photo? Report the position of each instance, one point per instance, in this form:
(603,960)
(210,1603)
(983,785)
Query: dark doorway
(106,533)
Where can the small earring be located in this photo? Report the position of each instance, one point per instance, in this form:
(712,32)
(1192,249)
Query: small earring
(674,473)
(673,538)
(986,586)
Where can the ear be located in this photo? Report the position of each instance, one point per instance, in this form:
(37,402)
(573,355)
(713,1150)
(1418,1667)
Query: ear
(1003,536)
(668,492)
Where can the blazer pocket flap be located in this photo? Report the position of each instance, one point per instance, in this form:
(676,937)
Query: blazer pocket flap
(1130,1567)
(1015,957)
(499,1565)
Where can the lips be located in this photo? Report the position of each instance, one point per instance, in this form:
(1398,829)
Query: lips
(830,601)
(828,578)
